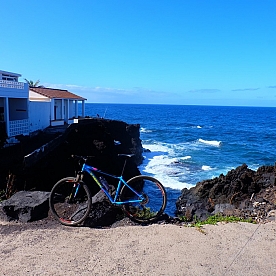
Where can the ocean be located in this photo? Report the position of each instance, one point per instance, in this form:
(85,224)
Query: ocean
(189,144)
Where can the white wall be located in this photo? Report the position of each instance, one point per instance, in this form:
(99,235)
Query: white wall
(72,112)
(33,96)
(39,113)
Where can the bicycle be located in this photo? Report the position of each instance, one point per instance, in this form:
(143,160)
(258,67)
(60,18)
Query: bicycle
(142,198)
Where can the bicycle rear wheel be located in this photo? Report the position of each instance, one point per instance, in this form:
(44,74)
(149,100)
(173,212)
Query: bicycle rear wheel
(154,203)
(70,201)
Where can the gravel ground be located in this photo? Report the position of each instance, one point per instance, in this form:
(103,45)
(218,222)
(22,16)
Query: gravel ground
(48,248)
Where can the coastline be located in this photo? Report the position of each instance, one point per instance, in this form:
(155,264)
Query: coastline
(47,248)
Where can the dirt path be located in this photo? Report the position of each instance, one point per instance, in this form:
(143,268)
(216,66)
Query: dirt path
(51,249)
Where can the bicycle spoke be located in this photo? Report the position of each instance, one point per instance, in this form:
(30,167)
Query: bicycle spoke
(70,202)
(153,203)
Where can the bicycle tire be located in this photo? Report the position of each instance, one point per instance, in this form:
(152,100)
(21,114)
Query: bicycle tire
(66,209)
(155,199)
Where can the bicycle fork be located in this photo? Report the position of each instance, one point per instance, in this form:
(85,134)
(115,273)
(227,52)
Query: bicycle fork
(75,188)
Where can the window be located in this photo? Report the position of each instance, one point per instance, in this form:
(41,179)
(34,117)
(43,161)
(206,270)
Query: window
(9,77)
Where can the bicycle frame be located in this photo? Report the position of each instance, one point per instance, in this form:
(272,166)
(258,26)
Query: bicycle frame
(90,170)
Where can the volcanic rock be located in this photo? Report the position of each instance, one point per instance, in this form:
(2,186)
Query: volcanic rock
(26,206)
(52,161)
(241,192)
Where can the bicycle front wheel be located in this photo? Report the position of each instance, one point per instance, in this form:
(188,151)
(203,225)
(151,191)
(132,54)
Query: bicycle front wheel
(70,201)
(154,199)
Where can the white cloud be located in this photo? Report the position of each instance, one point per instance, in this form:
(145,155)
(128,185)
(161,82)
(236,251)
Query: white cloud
(246,89)
(204,91)
(116,95)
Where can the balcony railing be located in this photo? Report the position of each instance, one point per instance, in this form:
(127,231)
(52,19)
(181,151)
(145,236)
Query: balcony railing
(12,84)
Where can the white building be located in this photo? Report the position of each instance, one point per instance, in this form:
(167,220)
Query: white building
(53,107)
(24,110)
(14,99)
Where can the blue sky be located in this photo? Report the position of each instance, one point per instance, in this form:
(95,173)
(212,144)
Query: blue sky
(162,52)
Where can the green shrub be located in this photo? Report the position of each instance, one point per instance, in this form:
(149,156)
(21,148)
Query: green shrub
(220,218)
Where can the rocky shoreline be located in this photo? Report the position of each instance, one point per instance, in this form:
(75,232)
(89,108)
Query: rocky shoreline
(241,192)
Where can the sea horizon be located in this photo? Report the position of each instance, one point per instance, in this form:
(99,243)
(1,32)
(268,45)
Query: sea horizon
(168,104)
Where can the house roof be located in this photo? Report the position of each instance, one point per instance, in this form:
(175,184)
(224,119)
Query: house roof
(9,73)
(56,93)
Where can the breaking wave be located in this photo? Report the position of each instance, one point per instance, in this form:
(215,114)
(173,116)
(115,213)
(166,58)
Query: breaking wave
(211,143)
(144,130)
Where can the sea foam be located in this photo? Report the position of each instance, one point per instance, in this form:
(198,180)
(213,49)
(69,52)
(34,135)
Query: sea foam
(162,164)
(206,168)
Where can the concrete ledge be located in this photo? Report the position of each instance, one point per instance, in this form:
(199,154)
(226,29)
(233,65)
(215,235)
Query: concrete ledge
(57,123)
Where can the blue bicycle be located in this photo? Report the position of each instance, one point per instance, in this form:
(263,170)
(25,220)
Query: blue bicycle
(142,198)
